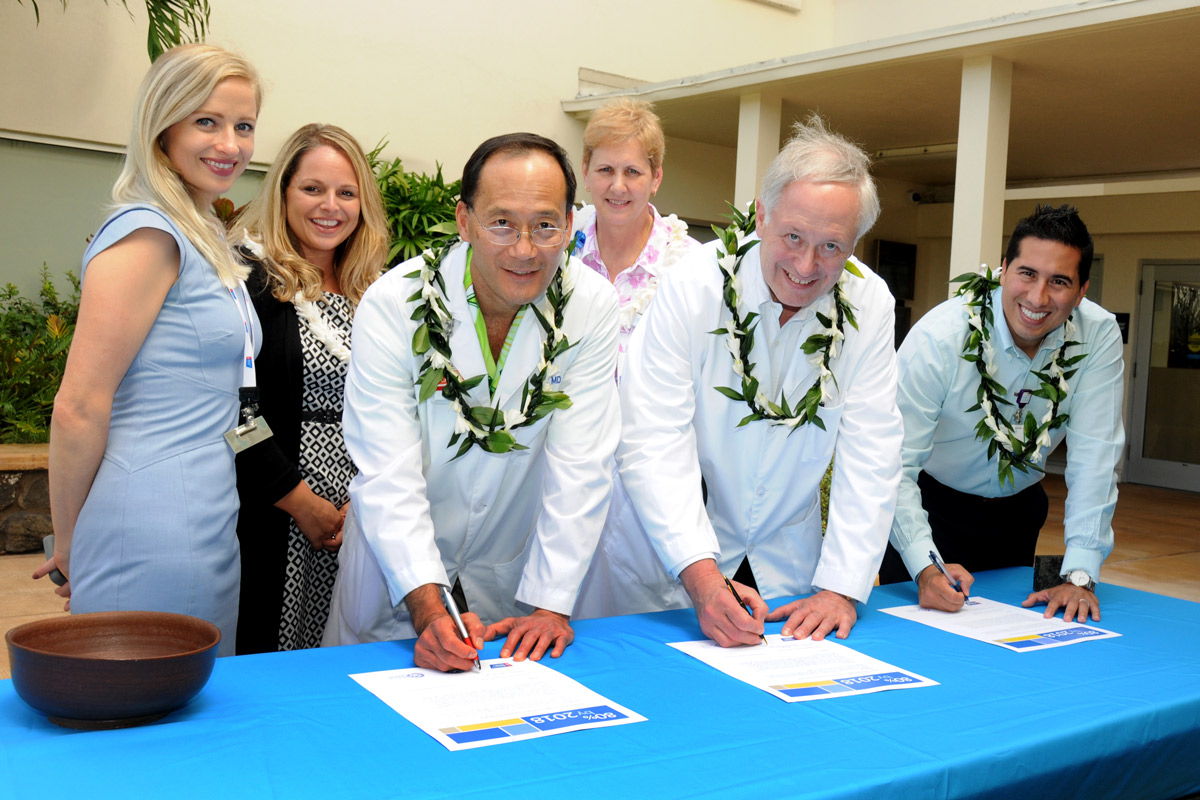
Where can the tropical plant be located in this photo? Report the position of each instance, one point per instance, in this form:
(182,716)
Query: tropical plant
(172,22)
(826,480)
(419,207)
(225,212)
(34,337)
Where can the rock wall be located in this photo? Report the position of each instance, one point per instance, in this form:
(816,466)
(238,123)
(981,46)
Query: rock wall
(24,510)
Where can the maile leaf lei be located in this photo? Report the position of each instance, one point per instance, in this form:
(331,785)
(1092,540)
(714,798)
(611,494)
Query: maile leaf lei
(485,426)
(1018,448)
(821,348)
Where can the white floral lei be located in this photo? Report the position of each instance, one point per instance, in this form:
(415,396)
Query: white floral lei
(488,427)
(1020,447)
(673,250)
(307,310)
(820,348)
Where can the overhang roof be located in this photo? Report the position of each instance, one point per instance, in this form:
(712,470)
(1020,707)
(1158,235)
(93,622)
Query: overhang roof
(1102,90)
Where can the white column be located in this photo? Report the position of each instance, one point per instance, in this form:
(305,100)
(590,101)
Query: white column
(757,143)
(981,170)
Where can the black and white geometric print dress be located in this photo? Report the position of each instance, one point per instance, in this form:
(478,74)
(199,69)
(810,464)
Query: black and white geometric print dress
(326,467)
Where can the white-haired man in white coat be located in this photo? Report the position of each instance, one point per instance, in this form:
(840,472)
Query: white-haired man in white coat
(760,358)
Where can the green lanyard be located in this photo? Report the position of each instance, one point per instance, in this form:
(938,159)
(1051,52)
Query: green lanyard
(494,366)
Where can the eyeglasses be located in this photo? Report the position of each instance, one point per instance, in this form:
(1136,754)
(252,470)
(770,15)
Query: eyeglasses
(507,236)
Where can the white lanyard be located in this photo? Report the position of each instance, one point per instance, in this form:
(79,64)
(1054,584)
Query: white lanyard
(243,307)
(253,428)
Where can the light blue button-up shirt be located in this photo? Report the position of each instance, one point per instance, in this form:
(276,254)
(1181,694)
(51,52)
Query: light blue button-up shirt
(937,386)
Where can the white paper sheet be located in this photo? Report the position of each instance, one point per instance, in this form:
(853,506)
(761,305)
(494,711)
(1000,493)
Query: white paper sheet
(797,670)
(508,701)
(1013,627)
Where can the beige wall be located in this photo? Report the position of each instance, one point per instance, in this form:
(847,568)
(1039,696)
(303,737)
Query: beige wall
(864,20)
(697,181)
(437,78)
(434,79)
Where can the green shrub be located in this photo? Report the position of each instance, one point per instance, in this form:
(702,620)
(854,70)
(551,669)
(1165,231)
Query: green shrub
(826,480)
(419,207)
(34,337)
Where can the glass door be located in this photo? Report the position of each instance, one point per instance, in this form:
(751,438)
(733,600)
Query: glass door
(1165,427)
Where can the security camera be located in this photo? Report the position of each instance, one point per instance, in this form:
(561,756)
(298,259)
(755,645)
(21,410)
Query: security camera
(914,197)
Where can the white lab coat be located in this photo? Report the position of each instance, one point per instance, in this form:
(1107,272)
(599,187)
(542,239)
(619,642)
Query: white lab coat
(763,484)
(515,528)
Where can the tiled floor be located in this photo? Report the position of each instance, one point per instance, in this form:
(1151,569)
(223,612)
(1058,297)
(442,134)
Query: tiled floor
(22,599)
(1157,545)
(1157,550)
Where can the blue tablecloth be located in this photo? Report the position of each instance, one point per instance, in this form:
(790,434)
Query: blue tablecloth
(1113,718)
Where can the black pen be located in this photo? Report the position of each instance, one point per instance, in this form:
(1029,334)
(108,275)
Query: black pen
(742,603)
(452,607)
(957,585)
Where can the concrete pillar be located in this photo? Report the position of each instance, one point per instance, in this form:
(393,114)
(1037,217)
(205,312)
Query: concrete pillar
(981,170)
(759,119)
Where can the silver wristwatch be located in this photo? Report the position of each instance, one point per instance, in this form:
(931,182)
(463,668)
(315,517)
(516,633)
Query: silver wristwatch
(1080,578)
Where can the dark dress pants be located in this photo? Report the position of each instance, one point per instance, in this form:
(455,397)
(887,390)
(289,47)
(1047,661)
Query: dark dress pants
(978,532)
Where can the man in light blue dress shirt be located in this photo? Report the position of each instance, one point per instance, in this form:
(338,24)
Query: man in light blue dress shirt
(956,497)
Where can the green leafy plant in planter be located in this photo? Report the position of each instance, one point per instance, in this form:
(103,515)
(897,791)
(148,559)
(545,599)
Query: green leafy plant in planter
(34,338)
(419,207)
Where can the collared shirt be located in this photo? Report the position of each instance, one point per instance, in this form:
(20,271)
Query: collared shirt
(937,387)
(637,283)
(494,365)
(783,342)
(763,480)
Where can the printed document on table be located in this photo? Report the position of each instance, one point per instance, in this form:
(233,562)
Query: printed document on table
(1020,629)
(508,701)
(796,670)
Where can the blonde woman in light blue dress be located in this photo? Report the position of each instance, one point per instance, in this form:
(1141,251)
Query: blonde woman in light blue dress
(142,483)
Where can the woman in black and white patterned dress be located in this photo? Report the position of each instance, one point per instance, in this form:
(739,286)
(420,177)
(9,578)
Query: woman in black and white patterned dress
(317,237)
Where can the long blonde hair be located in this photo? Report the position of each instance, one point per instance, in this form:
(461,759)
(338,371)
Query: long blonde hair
(358,260)
(177,84)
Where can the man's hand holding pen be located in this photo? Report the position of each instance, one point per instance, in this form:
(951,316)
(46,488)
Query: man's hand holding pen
(440,645)
(722,618)
(945,588)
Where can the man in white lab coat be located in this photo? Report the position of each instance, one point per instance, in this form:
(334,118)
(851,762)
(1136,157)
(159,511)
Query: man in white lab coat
(756,401)
(482,415)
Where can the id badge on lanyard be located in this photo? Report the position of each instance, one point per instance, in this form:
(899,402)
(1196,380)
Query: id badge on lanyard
(254,428)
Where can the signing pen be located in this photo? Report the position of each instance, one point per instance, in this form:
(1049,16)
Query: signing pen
(956,584)
(452,607)
(742,603)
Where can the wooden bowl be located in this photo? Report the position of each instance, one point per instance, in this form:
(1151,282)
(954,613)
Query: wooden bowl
(112,669)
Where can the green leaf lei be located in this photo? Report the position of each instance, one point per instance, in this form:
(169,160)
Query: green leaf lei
(485,426)
(821,348)
(1016,448)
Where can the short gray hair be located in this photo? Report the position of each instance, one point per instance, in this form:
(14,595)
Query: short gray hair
(817,155)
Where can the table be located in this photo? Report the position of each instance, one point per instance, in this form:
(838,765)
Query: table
(1112,718)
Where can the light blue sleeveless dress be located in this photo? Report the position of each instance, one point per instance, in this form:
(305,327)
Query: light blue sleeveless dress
(157,531)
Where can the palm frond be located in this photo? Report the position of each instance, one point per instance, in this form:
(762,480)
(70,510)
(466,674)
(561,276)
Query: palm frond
(174,22)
